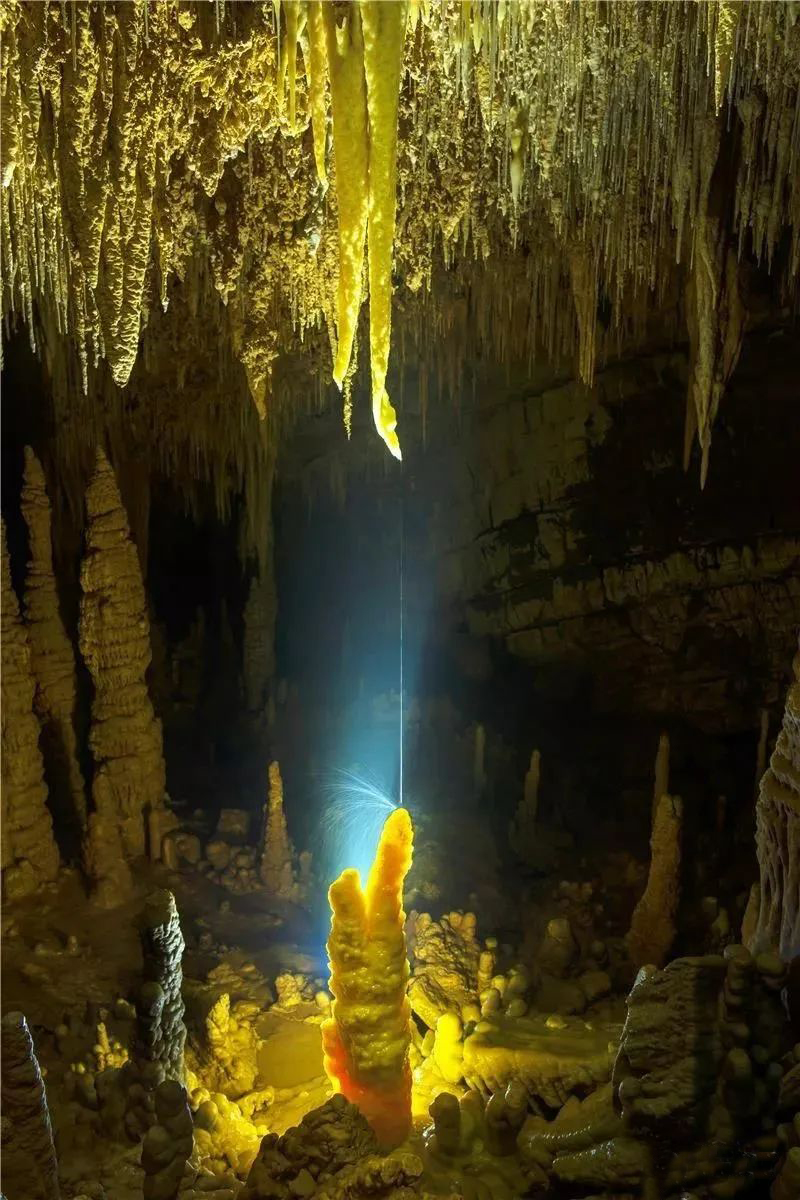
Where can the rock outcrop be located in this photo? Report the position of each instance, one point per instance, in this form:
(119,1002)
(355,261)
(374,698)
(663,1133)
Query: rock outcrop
(778,837)
(166,1146)
(30,1169)
(29,852)
(125,736)
(52,653)
(652,930)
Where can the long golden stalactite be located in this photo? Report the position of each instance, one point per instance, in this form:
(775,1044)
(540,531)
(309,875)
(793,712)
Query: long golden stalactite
(549,159)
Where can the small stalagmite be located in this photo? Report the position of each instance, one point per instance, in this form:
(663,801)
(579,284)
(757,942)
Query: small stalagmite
(277,854)
(114,637)
(30,1168)
(522,831)
(777,925)
(366,1040)
(652,930)
(52,654)
(660,773)
(160,1028)
(29,854)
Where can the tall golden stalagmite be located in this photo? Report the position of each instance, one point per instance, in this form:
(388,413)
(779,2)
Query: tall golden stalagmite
(114,638)
(29,852)
(277,853)
(52,654)
(366,1040)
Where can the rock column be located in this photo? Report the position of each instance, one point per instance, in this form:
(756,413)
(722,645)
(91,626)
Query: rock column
(52,655)
(160,1031)
(30,1169)
(777,925)
(29,852)
(125,735)
(277,856)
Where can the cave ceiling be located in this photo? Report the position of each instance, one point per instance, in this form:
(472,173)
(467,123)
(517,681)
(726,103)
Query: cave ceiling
(186,223)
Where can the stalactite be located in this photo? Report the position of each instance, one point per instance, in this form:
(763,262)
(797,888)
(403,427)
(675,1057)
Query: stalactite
(542,127)
(125,736)
(384,34)
(345,47)
(29,852)
(52,654)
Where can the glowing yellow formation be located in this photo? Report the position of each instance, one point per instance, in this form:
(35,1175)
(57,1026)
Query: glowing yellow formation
(316,86)
(384,35)
(366,1040)
(365,60)
(351,153)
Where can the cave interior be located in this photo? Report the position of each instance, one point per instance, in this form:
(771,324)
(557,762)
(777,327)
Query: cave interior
(400,599)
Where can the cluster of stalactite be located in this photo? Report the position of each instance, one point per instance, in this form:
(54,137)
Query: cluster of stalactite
(610,159)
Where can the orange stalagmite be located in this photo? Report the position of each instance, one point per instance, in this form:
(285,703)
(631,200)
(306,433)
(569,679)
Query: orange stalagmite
(366,1040)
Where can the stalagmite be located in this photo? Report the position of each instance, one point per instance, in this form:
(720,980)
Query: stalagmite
(52,654)
(29,852)
(660,773)
(522,831)
(30,1169)
(125,735)
(384,28)
(761,752)
(778,837)
(366,1040)
(652,930)
(277,854)
(160,1031)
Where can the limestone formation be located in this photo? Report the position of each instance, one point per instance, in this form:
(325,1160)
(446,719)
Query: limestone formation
(660,773)
(52,654)
(652,930)
(778,837)
(167,1145)
(125,736)
(160,1031)
(277,853)
(524,835)
(445,962)
(30,1169)
(506,139)
(29,852)
(328,1140)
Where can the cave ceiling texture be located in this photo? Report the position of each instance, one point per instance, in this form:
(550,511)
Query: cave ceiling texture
(201,241)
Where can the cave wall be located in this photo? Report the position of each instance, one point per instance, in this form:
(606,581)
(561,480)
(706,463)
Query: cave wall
(565,580)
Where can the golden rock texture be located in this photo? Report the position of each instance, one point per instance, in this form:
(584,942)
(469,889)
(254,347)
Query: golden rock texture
(653,928)
(29,852)
(367,1037)
(125,736)
(52,654)
(778,837)
(637,154)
